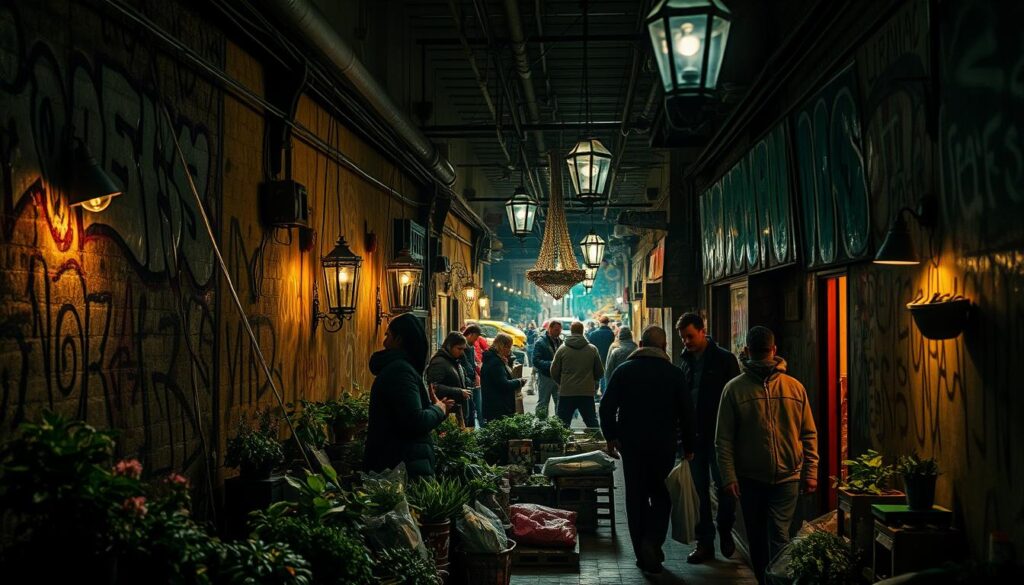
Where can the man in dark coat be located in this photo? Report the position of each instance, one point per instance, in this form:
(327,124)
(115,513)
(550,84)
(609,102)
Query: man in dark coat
(444,372)
(471,370)
(402,411)
(645,412)
(602,338)
(543,354)
(706,369)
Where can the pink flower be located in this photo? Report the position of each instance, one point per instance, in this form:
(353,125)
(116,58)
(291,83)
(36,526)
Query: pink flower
(135,506)
(128,468)
(177,480)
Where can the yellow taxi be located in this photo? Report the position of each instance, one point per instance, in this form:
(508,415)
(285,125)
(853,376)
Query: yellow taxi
(491,329)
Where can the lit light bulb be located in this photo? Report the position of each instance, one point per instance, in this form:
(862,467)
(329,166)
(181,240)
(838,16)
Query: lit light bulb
(521,214)
(688,44)
(587,170)
(343,276)
(404,278)
(97,204)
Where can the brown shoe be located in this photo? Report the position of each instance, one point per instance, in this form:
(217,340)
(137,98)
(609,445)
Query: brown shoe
(701,554)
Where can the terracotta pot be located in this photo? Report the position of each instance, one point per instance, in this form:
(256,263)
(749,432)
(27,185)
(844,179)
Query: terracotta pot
(436,537)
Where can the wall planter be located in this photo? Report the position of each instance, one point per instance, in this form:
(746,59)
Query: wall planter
(944,319)
(855,519)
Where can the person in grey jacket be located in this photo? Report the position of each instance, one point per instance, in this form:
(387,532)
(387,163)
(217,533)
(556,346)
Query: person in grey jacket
(618,353)
(577,368)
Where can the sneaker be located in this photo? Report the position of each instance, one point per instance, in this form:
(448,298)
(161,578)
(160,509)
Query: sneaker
(726,544)
(700,554)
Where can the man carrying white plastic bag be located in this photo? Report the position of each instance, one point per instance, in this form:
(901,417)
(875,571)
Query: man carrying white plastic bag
(685,503)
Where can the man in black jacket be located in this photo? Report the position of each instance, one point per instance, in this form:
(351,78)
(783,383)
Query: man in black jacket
(645,411)
(602,338)
(706,369)
(543,354)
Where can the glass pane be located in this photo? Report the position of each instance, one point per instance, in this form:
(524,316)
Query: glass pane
(330,287)
(718,42)
(688,34)
(660,45)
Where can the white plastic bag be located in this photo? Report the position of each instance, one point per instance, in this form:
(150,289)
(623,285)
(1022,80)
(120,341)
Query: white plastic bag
(480,530)
(591,463)
(685,503)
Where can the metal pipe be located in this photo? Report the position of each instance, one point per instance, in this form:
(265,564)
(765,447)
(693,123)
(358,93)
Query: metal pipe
(478,42)
(306,19)
(469,130)
(515,31)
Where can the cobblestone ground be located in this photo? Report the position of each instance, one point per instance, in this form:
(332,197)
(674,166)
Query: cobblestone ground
(608,560)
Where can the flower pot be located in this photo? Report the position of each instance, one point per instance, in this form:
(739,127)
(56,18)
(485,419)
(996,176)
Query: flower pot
(436,537)
(920,491)
(256,471)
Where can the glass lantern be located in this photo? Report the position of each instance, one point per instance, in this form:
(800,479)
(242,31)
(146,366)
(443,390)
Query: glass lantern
(593,249)
(341,279)
(403,279)
(522,211)
(689,39)
(589,164)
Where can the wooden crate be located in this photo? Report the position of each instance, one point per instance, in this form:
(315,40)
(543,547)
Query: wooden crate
(537,556)
(592,497)
(534,494)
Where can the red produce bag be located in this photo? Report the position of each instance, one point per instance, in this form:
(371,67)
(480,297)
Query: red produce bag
(541,526)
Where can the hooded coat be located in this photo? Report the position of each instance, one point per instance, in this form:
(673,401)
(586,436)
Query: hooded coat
(577,367)
(445,372)
(401,413)
(766,429)
(497,386)
(618,354)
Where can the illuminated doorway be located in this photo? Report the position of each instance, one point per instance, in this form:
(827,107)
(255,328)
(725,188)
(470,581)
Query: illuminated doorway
(834,410)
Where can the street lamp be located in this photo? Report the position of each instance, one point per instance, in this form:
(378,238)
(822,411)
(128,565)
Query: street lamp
(592,246)
(689,39)
(522,211)
(403,280)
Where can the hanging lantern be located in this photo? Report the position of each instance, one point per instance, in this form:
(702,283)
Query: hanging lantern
(522,211)
(593,249)
(484,301)
(469,291)
(689,39)
(589,163)
(341,279)
(91,187)
(403,278)
(591,273)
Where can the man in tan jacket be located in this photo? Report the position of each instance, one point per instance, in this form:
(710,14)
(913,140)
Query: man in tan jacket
(767,446)
(577,368)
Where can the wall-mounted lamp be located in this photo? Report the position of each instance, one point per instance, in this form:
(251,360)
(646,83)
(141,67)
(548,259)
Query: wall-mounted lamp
(403,280)
(897,248)
(341,285)
(90,186)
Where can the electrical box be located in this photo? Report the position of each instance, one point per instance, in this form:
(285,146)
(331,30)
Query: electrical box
(284,204)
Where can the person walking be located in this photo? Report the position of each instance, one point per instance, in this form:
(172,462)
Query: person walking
(402,410)
(498,386)
(577,369)
(471,370)
(617,354)
(602,338)
(445,373)
(706,370)
(644,414)
(767,446)
(543,354)
(531,338)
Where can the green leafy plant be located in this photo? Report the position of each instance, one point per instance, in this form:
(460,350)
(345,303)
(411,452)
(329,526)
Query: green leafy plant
(437,500)
(822,558)
(348,412)
(913,465)
(321,498)
(867,474)
(380,495)
(255,561)
(407,566)
(494,437)
(551,431)
(310,423)
(255,450)
(336,555)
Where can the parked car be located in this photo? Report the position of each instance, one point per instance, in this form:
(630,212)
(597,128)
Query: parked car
(491,329)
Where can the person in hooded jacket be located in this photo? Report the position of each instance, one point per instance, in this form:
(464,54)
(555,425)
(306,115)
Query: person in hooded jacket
(577,368)
(471,369)
(767,446)
(497,384)
(403,411)
(444,371)
(644,414)
(618,353)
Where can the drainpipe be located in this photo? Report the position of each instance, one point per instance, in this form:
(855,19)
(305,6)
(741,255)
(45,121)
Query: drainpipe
(515,33)
(306,19)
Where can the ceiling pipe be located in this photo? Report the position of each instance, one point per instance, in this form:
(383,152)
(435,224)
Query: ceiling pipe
(306,19)
(515,31)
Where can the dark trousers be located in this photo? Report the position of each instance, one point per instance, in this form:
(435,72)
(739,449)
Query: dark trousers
(474,410)
(704,468)
(767,512)
(568,405)
(648,505)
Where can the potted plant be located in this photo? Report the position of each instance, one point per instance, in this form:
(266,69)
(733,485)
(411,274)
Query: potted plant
(822,558)
(919,477)
(493,438)
(255,451)
(549,438)
(404,566)
(866,483)
(436,503)
(347,416)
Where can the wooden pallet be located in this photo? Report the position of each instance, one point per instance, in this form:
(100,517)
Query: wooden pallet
(592,497)
(538,556)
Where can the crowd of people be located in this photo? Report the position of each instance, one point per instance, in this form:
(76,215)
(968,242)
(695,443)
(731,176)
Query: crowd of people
(744,425)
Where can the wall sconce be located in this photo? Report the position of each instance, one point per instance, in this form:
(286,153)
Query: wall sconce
(897,248)
(90,185)
(403,276)
(341,283)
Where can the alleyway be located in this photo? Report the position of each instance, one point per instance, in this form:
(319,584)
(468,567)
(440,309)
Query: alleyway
(608,560)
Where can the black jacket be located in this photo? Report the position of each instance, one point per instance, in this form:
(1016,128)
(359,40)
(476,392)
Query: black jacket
(468,363)
(602,338)
(544,353)
(401,417)
(497,387)
(445,373)
(647,406)
(720,366)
